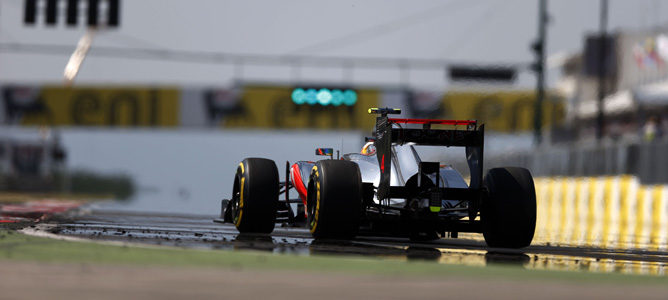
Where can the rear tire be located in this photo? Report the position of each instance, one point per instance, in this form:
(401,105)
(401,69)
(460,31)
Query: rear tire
(255,196)
(508,213)
(334,199)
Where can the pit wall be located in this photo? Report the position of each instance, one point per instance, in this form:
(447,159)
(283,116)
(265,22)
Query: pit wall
(609,212)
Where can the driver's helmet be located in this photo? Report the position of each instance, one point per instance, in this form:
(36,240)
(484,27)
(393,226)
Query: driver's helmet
(368,149)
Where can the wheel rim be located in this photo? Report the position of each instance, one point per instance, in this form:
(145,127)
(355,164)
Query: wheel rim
(311,212)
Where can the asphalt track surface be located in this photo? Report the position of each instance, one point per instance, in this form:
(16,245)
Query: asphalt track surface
(192,231)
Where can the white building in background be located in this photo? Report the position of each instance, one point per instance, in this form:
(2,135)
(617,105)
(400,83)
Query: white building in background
(636,85)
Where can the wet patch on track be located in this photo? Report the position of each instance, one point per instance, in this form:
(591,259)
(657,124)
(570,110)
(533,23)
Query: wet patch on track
(200,232)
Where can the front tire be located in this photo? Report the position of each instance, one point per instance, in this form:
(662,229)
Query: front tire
(508,213)
(334,199)
(255,196)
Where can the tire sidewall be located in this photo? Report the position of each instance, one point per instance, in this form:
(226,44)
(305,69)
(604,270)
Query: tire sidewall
(508,212)
(257,181)
(334,199)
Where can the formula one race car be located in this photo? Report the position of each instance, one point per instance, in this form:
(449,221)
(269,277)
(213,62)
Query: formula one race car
(388,190)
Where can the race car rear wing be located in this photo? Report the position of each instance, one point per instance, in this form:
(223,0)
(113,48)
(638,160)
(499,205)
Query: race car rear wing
(389,131)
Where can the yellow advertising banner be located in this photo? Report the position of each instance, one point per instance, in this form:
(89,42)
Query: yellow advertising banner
(272,107)
(99,106)
(503,110)
(259,106)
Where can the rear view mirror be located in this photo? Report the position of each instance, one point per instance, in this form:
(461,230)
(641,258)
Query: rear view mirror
(324,151)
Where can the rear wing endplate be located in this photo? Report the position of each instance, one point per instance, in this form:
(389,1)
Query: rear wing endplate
(471,137)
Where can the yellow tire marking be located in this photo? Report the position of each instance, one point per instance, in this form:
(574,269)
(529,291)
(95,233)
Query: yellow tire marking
(241,196)
(317,200)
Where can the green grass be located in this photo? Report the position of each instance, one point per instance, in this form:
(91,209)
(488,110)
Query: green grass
(19,247)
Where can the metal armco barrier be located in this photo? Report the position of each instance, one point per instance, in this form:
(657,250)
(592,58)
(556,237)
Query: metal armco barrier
(646,160)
